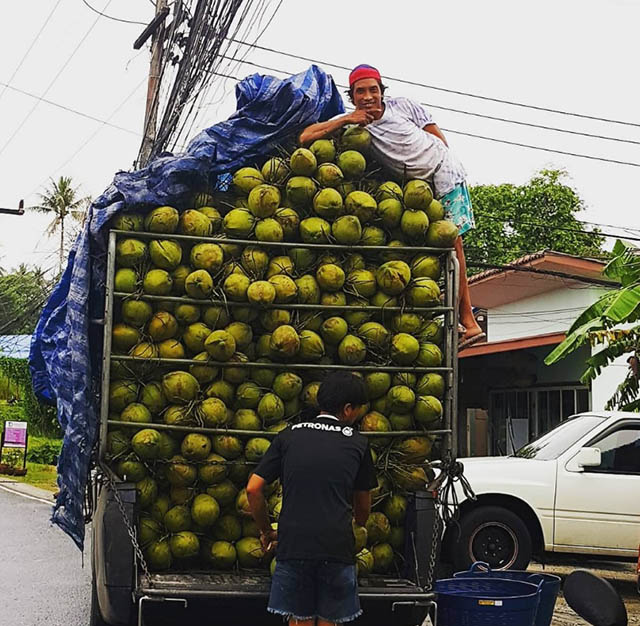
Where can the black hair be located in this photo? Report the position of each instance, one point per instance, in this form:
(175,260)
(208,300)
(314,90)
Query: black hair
(339,389)
(349,91)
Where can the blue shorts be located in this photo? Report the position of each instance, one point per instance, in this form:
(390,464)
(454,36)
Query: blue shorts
(303,590)
(457,208)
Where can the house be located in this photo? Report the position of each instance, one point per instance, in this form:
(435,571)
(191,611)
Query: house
(507,395)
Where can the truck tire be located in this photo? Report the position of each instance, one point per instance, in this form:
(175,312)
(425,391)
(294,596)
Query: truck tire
(95,617)
(494,535)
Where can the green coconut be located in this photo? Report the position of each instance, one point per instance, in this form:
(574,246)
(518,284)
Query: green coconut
(376,422)
(330,175)
(130,252)
(203,373)
(157,283)
(362,205)
(334,330)
(255,261)
(400,399)
(355,318)
(246,419)
(401,421)
(149,530)
(431,384)
(377,384)
(168,446)
(433,331)
(364,563)
(207,256)
(280,265)
(214,217)
(236,286)
(270,408)
(315,230)
(442,234)
(131,470)
(311,346)
(374,334)
(242,503)
(355,137)
(414,449)
(159,508)
(289,410)
(427,411)
(393,277)
(285,342)
(395,508)
(228,527)
(308,290)
(248,395)
(165,254)
(410,323)
(221,554)
(194,337)
(256,449)
(382,557)
(158,555)
(417,195)
(180,473)
(324,150)
(426,266)
(269,229)
(359,537)
(225,493)
(227,446)
(261,292)
(423,292)
(146,492)
(429,355)
(303,162)
(184,545)
(250,552)
(238,223)
(302,259)
(146,443)
(289,220)
(136,413)
(389,190)
(246,178)
(144,350)
(273,318)
(178,415)
(194,223)
(392,254)
(390,212)
(352,164)
(162,326)
(199,284)
(239,471)
(405,378)
(275,170)
(352,350)
(187,313)
(118,443)
(287,385)
(126,280)
(215,317)
(338,298)
(310,321)
(379,404)
(163,219)
(195,447)
(300,191)
(264,200)
(347,230)
(414,225)
(236,375)
(330,277)
(204,510)
(404,348)
(285,288)
(435,211)
(328,204)
(129,221)
(378,528)
(373,236)
(354,262)
(179,276)
(310,394)
(124,337)
(177,519)
(180,387)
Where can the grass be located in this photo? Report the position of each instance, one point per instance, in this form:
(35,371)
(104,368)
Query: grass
(39,475)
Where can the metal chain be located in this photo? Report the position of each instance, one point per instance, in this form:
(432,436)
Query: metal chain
(130,530)
(433,557)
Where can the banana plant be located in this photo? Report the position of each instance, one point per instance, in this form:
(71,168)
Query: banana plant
(610,322)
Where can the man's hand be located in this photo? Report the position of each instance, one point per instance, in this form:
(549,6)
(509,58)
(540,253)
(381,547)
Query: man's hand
(269,540)
(361,117)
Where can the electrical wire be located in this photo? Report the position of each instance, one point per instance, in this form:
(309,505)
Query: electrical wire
(453,91)
(52,83)
(31,45)
(87,116)
(110,17)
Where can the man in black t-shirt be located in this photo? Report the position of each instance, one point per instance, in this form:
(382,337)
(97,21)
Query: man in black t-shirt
(327,472)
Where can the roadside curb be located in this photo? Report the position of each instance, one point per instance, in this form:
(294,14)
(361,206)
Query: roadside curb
(27,491)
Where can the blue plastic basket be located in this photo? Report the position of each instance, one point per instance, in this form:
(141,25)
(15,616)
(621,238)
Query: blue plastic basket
(548,594)
(486,601)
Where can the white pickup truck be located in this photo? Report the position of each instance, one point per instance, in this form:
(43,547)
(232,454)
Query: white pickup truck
(576,490)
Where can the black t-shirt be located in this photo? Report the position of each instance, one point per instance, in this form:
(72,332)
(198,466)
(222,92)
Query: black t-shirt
(320,463)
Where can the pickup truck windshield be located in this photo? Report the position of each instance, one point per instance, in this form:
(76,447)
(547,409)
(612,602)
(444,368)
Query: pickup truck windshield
(553,443)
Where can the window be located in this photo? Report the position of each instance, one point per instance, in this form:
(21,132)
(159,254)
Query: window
(620,451)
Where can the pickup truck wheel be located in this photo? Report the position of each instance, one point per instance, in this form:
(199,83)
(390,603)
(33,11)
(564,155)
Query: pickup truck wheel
(494,535)
(95,618)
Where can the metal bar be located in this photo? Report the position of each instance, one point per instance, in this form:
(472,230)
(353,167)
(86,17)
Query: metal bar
(453,359)
(279,366)
(280,244)
(320,308)
(259,433)
(106,344)
(150,28)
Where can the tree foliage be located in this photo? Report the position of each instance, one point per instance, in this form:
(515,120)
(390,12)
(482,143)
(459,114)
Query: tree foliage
(611,325)
(22,294)
(514,220)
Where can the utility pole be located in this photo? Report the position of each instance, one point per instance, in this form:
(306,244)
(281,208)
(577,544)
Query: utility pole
(153,86)
(18,211)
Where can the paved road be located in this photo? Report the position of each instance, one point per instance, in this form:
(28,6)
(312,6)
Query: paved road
(42,579)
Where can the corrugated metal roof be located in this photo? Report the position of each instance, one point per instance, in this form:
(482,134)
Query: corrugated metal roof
(15,346)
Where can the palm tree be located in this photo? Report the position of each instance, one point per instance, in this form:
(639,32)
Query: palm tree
(63,200)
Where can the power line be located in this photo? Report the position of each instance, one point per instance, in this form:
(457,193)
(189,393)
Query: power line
(51,84)
(31,45)
(110,17)
(70,109)
(446,90)
(487,138)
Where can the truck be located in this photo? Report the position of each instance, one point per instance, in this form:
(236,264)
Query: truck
(123,583)
(573,491)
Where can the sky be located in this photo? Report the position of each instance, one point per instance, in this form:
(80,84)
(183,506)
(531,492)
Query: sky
(573,55)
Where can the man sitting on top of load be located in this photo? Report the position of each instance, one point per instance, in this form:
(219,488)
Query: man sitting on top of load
(409,143)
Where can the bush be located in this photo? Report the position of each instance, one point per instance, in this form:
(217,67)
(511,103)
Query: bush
(43,450)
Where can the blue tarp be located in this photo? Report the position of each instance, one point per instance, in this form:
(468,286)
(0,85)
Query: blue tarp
(66,348)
